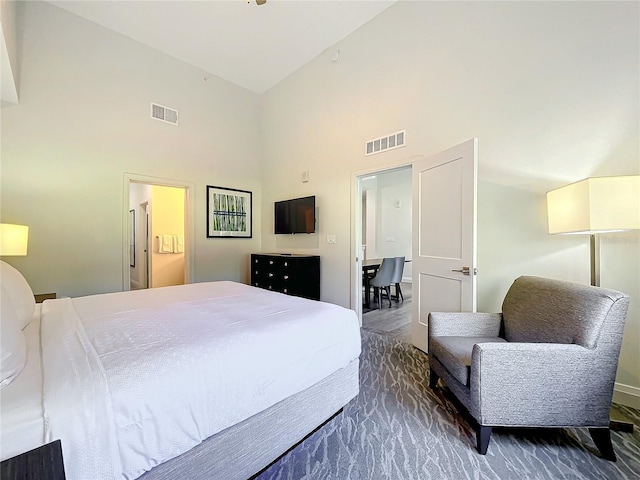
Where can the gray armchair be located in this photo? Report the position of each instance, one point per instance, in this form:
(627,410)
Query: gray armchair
(548,360)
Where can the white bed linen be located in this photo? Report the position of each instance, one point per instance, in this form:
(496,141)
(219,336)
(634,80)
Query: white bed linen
(157,371)
(21,421)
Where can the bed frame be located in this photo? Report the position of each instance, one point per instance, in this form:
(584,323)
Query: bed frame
(243,450)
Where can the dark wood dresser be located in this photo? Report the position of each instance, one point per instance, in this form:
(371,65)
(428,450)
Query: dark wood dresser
(293,274)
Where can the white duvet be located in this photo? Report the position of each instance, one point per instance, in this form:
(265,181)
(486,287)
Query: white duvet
(133,379)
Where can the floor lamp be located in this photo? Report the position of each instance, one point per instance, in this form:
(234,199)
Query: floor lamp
(594,206)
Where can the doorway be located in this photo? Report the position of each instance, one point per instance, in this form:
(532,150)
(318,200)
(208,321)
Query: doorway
(444,240)
(383,228)
(160,220)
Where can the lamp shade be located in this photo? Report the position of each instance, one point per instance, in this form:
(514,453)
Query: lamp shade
(13,239)
(598,204)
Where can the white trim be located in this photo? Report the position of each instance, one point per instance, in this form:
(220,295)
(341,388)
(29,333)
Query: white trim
(627,389)
(189,188)
(626,395)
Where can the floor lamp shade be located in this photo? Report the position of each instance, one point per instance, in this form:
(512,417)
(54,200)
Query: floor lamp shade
(13,239)
(595,205)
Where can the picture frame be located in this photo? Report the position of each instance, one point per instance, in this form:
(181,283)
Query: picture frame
(229,213)
(132,238)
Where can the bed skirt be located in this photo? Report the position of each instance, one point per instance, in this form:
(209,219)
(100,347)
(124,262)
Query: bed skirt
(244,449)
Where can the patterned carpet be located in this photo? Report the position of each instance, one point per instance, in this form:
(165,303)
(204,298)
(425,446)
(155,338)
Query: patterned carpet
(398,429)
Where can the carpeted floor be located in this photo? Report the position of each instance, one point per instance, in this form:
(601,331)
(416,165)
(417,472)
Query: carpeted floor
(398,429)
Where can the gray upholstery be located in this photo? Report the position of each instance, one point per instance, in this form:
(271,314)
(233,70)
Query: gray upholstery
(382,280)
(396,278)
(570,313)
(455,353)
(549,359)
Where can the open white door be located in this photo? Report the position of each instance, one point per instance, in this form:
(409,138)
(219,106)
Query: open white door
(444,235)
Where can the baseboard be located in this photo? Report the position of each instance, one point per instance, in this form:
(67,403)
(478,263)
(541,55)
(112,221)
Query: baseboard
(626,395)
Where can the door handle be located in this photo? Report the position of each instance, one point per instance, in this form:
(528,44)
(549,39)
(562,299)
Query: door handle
(463,270)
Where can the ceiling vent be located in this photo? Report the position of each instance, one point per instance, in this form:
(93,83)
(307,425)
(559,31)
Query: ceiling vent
(164,114)
(388,142)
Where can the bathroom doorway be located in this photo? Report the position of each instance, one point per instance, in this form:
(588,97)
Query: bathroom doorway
(159,233)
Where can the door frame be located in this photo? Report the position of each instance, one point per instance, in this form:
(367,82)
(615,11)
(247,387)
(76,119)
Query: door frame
(356,225)
(144,208)
(189,230)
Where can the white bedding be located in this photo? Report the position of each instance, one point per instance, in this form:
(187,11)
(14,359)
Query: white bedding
(21,421)
(133,379)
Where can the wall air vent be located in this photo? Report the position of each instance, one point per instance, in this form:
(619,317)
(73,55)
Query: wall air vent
(164,114)
(388,142)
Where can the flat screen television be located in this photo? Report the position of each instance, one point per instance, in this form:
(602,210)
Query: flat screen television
(297,215)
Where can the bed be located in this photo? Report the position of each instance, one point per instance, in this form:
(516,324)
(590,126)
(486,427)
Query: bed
(208,380)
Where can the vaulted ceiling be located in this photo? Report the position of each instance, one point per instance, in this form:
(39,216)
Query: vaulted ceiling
(253,46)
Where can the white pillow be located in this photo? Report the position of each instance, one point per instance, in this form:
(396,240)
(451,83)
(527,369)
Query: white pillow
(13,344)
(15,285)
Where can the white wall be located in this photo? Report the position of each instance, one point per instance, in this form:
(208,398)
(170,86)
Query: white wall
(167,218)
(394,209)
(550,89)
(83,121)
(9,78)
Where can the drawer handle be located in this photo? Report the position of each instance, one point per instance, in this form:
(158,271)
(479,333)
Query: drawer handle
(271,274)
(286,277)
(286,264)
(270,262)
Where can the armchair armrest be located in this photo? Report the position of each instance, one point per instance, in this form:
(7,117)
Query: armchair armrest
(464,324)
(543,384)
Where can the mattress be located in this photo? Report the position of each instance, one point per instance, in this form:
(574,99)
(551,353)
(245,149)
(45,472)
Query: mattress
(21,420)
(153,373)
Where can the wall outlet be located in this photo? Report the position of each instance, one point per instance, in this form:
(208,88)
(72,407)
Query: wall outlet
(391,239)
(331,239)
(305,176)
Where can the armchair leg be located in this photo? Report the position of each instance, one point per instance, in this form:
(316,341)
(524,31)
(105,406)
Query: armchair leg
(483,435)
(602,438)
(433,378)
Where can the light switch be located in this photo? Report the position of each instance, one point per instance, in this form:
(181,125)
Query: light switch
(331,239)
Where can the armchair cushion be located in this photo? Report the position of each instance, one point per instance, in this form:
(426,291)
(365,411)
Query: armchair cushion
(454,353)
(464,324)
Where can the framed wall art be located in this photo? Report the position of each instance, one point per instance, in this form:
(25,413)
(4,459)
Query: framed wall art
(229,213)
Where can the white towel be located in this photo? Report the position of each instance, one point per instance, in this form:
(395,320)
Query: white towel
(178,243)
(165,243)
